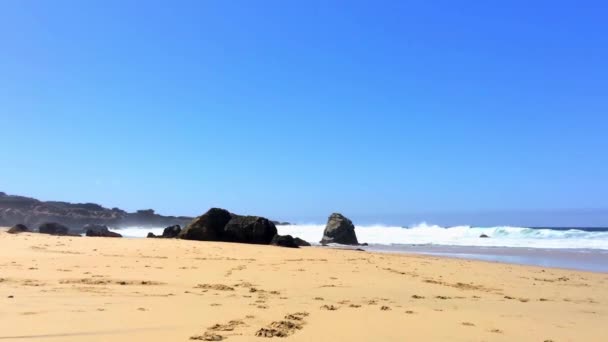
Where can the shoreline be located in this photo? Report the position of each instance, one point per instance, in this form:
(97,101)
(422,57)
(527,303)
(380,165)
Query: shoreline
(95,289)
(587,260)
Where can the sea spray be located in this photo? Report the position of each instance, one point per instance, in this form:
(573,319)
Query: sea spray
(425,234)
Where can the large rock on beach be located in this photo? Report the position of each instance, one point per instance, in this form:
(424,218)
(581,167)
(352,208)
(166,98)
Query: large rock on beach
(53,228)
(339,229)
(18,228)
(207,227)
(221,225)
(99,230)
(249,229)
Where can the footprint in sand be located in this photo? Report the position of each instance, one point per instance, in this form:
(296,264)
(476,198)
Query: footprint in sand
(212,333)
(329,307)
(288,326)
(217,287)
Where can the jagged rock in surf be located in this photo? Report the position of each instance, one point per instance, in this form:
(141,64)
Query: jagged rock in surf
(339,229)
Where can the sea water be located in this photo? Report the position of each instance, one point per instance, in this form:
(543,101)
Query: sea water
(576,248)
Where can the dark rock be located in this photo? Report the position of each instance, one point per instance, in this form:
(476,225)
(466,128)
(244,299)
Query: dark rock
(18,228)
(53,228)
(483,236)
(284,241)
(220,225)
(340,230)
(207,227)
(172,232)
(301,242)
(249,229)
(98,230)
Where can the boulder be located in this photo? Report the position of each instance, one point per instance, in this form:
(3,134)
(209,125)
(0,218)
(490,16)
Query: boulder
(220,225)
(339,229)
(483,236)
(53,228)
(207,227)
(18,228)
(151,235)
(301,242)
(98,230)
(172,232)
(284,241)
(249,229)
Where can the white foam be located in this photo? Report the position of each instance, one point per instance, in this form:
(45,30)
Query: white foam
(424,234)
(462,236)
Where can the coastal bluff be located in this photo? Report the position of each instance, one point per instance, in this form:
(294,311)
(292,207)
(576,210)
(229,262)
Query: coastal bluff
(33,212)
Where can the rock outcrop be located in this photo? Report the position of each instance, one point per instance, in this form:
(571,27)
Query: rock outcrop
(18,228)
(483,236)
(98,230)
(249,229)
(339,229)
(168,233)
(221,225)
(32,212)
(172,232)
(207,227)
(284,241)
(53,228)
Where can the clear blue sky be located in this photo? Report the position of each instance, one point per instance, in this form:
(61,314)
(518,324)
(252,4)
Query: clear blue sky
(296,109)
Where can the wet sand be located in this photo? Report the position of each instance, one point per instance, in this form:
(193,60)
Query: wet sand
(101,289)
(594,260)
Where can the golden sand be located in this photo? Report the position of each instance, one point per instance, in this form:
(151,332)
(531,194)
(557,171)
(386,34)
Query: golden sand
(104,289)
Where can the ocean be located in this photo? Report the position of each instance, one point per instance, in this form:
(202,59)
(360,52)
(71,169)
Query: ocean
(563,247)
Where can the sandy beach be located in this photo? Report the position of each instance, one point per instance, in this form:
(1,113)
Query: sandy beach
(101,289)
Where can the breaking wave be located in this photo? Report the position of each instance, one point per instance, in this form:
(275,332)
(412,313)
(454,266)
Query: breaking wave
(424,234)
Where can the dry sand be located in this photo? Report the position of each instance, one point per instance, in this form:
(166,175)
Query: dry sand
(103,289)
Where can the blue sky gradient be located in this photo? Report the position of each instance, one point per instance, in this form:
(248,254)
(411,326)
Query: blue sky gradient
(296,109)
